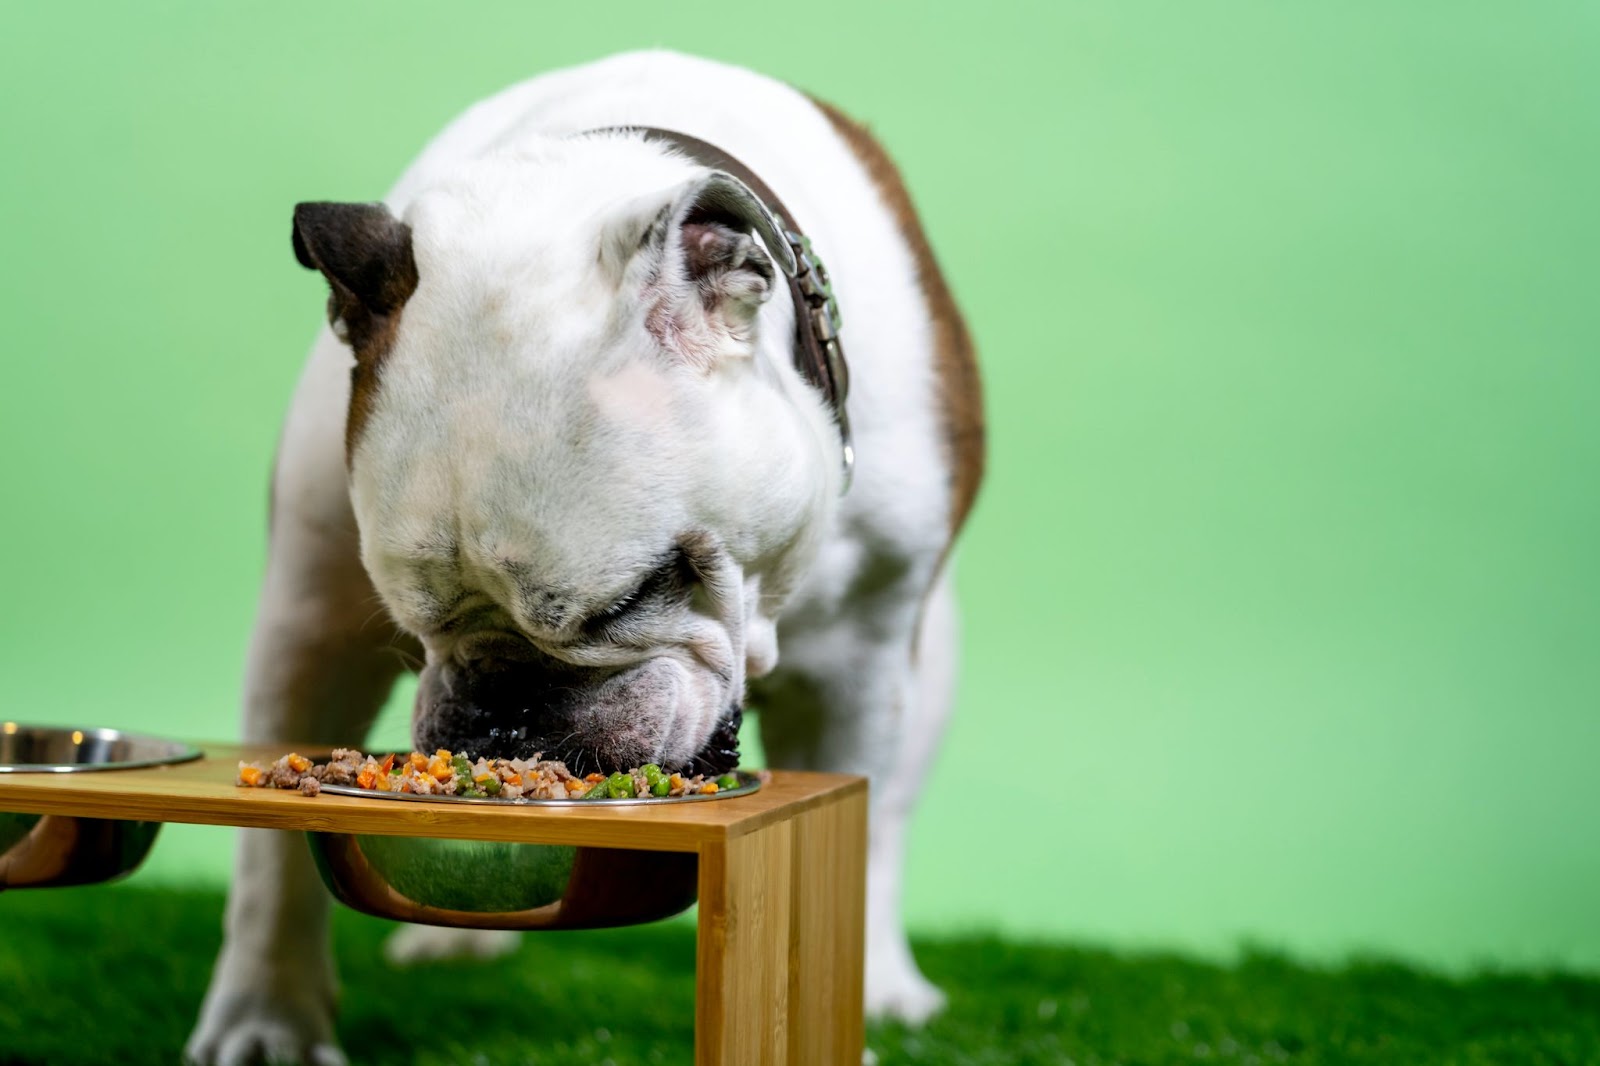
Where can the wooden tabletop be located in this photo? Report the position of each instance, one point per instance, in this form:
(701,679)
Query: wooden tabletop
(203,791)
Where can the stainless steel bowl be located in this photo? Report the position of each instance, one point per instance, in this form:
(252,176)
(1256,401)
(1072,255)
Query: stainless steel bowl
(48,749)
(478,884)
(44,850)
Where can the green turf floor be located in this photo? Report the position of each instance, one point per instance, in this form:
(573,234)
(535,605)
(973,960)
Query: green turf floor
(113,975)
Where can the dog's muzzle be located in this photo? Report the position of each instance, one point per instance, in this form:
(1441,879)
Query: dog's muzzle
(594,721)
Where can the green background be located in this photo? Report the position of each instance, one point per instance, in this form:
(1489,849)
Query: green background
(1282,597)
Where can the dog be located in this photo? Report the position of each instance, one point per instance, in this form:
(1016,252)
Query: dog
(555,444)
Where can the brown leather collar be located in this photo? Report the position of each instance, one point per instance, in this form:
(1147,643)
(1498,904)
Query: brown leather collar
(818,352)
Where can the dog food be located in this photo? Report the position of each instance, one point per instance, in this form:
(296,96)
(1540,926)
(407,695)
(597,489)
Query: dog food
(446,773)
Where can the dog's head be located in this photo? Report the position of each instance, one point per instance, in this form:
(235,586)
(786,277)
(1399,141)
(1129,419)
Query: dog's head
(583,475)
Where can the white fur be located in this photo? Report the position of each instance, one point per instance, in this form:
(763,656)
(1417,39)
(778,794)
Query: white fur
(414,944)
(523,336)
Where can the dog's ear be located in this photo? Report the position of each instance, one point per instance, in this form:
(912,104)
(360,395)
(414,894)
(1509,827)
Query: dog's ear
(705,269)
(365,253)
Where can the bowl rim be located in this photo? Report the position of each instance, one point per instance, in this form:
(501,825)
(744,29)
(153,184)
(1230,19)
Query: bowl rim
(749,782)
(182,751)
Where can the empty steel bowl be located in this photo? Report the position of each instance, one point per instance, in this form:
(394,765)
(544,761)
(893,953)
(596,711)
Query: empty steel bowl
(41,850)
(478,884)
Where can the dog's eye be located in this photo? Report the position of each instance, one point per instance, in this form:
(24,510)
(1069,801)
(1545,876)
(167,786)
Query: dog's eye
(671,583)
(618,609)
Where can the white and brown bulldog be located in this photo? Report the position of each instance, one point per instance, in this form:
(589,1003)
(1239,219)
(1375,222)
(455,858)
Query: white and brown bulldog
(582,469)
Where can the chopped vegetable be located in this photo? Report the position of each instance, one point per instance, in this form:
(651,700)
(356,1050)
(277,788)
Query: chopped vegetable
(448,774)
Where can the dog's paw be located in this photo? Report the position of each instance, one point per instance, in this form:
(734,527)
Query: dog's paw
(897,992)
(413,944)
(253,1025)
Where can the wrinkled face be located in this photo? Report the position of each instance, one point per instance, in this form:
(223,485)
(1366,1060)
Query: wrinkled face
(583,475)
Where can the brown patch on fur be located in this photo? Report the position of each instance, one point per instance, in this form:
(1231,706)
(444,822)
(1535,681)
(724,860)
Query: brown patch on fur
(364,377)
(955,360)
(365,253)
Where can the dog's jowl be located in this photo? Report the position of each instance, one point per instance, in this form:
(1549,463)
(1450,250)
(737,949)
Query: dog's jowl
(615,454)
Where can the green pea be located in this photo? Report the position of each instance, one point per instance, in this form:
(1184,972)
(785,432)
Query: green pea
(660,787)
(620,785)
(651,772)
(461,766)
(492,786)
(472,793)
(463,783)
(727,781)
(598,791)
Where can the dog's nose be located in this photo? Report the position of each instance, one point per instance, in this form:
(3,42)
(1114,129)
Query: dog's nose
(525,688)
(496,705)
(489,665)
(488,653)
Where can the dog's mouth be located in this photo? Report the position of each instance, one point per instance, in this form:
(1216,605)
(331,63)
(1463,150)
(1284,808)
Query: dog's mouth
(719,755)
(468,729)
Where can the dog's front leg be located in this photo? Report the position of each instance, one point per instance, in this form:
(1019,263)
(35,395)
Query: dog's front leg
(272,993)
(318,672)
(323,656)
(863,697)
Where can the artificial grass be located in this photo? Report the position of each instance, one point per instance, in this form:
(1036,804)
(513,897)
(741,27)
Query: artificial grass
(115,975)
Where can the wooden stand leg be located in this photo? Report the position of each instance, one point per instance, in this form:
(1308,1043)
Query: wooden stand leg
(782,934)
(827,961)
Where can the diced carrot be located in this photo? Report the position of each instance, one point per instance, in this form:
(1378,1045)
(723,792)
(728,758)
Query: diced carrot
(367,778)
(709,786)
(592,778)
(441,769)
(574,785)
(386,765)
(299,763)
(405,785)
(417,759)
(512,778)
(250,775)
(675,781)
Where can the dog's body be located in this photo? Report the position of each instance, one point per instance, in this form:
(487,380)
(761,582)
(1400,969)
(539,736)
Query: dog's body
(576,447)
